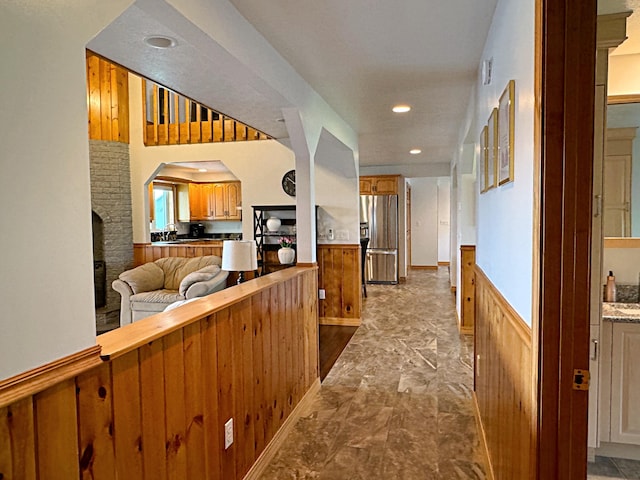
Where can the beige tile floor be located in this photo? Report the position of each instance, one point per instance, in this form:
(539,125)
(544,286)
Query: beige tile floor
(397,404)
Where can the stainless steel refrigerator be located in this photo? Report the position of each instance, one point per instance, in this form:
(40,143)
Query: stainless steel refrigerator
(380,212)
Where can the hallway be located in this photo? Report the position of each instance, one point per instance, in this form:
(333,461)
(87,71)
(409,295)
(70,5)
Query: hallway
(397,404)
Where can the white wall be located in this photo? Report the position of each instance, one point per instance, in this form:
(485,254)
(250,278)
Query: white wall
(444,217)
(46,284)
(424,221)
(624,75)
(625,264)
(505,214)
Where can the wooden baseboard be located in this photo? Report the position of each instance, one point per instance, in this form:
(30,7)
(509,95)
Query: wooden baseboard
(402,280)
(38,379)
(443,264)
(424,267)
(278,439)
(340,322)
(483,438)
(453,289)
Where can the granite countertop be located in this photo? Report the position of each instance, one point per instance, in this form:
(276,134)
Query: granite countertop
(187,241)
(621,312)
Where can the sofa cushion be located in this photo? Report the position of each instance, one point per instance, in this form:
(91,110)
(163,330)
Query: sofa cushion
(155,301)
(203,275)
(176,268)
(144,278)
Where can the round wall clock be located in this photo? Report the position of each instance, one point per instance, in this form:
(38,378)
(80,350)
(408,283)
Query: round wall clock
(289,183)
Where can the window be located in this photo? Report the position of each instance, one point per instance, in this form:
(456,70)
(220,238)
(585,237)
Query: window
(164,205)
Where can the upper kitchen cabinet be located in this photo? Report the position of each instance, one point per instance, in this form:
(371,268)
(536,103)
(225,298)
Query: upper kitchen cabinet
(226,200)
(199,207)
(379,185)
(215,201)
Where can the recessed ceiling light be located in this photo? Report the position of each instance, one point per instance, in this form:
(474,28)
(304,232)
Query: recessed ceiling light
(160,41)
(401,108)
(415,151)
(202,169)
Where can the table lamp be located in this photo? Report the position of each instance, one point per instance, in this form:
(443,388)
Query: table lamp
(239,256)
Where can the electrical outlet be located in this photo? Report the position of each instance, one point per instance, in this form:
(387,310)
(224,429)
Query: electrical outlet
(322,294)
(330,234)
(228,433)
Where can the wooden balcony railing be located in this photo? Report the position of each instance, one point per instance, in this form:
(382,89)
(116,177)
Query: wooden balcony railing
(172,119)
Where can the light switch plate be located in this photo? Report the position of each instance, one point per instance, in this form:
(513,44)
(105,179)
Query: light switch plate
(228,433)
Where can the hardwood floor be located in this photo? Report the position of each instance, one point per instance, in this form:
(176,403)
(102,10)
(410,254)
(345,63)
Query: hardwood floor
(333,340)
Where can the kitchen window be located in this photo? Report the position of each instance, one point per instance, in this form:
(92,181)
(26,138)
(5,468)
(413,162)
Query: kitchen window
(164,205)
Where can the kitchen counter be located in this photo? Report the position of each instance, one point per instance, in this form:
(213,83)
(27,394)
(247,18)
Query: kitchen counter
(189,241)
(621,312)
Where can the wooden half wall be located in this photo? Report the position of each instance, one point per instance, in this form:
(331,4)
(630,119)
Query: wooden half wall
(340,277)
(155,404)
(504,383)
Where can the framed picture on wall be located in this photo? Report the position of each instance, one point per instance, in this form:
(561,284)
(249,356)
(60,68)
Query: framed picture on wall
(492,150)
(506,114)
(482,164)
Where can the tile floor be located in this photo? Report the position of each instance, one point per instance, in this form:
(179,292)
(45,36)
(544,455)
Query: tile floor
(605,468)
(397,403)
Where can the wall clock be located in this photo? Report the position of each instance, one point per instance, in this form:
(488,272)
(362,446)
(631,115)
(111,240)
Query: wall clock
(289,183)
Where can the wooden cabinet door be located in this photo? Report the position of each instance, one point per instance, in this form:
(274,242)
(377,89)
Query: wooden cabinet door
(234,200)
(366,185)
(386,186)
(195,202)
(219,201)
(625,384)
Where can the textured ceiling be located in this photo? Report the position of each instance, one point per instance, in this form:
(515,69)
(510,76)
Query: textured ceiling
(363,60)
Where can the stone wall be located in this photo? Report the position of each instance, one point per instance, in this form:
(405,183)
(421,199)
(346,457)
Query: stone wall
(111,201)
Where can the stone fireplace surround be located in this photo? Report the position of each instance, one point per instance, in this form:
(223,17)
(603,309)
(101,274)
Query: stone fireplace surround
(112,220)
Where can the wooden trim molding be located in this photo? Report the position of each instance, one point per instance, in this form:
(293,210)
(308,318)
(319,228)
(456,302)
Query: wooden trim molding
(443,264)
(618,99)
(281,435)
(424,267)
(341,322)
(38,379)
(621,242)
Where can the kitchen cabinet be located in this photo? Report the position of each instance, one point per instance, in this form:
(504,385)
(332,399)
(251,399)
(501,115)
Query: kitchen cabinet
(199,201)
(379,185)
(226,200)
(215,201)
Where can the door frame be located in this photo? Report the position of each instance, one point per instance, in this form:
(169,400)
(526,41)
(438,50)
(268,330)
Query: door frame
(565,84)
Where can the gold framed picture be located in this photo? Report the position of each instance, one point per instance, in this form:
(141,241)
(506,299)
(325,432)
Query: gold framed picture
(482,164)
(492,150)
(506,117)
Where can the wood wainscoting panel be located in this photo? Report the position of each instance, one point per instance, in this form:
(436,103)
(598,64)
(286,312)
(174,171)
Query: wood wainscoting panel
(340,277)
(156,409)
(503,384)
(148,252)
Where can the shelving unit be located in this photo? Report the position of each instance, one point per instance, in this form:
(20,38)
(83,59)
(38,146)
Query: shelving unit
(266,241)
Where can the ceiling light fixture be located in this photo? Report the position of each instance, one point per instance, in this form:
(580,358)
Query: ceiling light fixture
(415,151)
(401,108)
(202,169)
(160,41)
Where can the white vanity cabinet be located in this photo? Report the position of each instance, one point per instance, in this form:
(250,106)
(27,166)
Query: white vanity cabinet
(625,383)
(620,383)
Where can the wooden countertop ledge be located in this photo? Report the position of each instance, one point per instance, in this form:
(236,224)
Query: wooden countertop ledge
(128,338)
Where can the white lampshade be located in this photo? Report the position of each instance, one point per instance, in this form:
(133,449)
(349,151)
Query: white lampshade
(239,255)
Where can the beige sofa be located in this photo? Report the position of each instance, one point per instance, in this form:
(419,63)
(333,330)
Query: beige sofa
(150,288)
